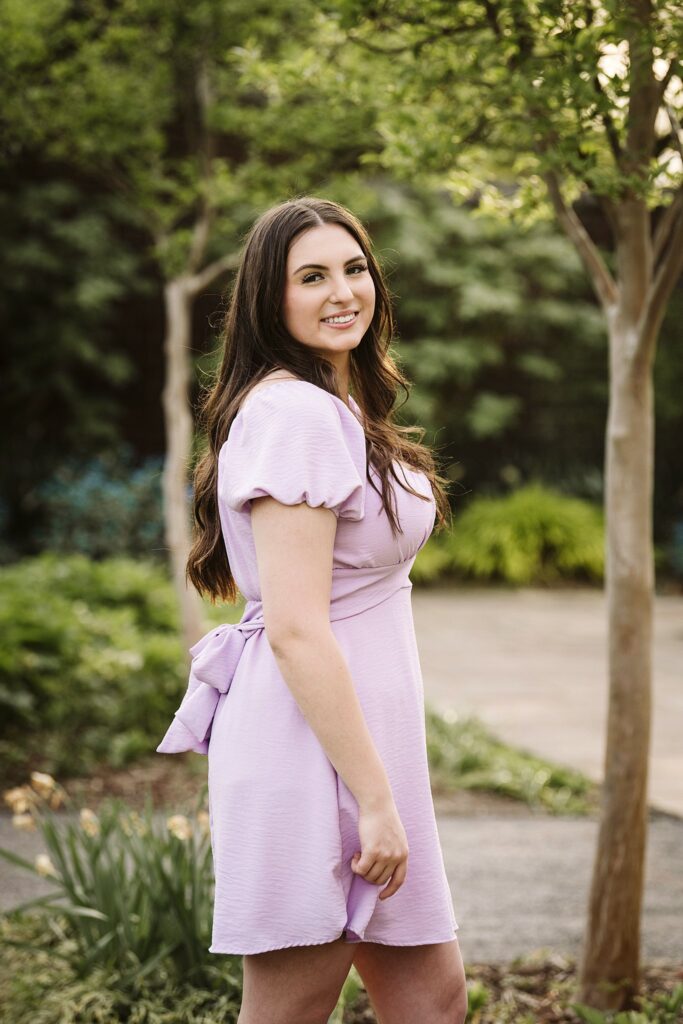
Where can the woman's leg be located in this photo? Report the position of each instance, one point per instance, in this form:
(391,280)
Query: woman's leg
(414,983)
(297,985)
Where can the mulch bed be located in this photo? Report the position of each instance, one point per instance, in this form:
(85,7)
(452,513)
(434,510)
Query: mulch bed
(176,782)
(537,991)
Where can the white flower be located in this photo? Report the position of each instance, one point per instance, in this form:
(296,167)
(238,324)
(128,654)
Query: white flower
(24,821)
(44,865)
(56,798)
(89,822)
(20,798)
(204,822)
(179,826)
(43,783)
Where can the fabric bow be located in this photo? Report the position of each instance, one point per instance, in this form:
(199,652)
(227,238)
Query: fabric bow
(214,660)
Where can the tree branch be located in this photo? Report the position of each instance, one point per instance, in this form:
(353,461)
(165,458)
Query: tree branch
(414,47)
(207,215)
(675,67)
(603,282)
(666,222)
(671,261)
(608,122)
(201,280)
(676,131)
(200,236)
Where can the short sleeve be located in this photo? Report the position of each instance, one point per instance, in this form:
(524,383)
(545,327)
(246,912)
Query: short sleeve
(297,443)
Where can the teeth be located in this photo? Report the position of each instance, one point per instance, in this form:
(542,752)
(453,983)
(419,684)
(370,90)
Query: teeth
(339,319)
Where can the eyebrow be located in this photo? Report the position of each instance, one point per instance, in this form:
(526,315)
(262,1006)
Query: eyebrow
(319,266)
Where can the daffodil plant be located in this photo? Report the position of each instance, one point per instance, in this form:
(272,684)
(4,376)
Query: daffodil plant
(134,892)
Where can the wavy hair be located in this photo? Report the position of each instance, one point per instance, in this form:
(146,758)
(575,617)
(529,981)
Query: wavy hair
(255,341)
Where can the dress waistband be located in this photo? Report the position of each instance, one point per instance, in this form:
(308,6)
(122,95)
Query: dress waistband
(216,655)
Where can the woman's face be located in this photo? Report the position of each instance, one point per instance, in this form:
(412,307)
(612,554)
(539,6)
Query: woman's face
(327,276)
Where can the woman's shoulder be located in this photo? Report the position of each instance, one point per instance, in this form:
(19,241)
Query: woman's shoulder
(292,440)
(272,380)
(291,399)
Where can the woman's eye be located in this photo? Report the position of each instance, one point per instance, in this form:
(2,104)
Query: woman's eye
(309,277)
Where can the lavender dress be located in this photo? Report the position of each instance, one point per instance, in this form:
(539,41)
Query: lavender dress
(284,825)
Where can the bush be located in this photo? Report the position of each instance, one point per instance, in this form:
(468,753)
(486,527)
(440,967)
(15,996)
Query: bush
(464,754)
(91,666)
(534,535)
(102,508)
(134,891)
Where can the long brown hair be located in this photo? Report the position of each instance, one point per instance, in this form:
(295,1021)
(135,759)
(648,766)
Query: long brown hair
(255,342)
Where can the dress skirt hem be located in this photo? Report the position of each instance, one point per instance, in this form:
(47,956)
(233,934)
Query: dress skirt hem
(334,938)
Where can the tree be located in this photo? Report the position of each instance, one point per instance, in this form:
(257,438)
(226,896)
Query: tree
(577,102)
(159,101)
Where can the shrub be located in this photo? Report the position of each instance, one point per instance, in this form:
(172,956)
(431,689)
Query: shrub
(533,535)
(133,891)
(464,754)
(102,508)
(91,666)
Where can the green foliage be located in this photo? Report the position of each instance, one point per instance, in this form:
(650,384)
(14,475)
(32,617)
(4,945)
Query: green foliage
(37,987)
(663,1008)
(91,668)
(463,754)
(65,270)
(134,917)
(533,535)
(103,508)
(133,893)
(501,336)
(487,95)
(207,126)
(478,996)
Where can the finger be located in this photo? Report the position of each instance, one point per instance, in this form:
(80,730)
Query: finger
(373,870)
(385,875)
(362,863)
(378,874)
(381,872)
(397,880)
(368,864)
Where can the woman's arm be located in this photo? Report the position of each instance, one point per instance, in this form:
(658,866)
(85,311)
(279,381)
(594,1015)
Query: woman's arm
(294,545)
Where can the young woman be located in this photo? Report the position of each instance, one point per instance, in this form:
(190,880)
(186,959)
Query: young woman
(314,504)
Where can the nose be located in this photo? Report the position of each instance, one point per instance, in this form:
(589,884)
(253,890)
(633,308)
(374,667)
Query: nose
(341,290)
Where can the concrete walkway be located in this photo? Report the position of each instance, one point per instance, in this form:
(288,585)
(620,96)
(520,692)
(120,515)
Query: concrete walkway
(532,664)
(518,884)
(522,884)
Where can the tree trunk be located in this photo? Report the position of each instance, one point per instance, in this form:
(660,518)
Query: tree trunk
(178,297)
(610,963)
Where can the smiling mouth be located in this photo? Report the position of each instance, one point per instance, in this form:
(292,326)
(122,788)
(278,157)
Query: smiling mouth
(341,320)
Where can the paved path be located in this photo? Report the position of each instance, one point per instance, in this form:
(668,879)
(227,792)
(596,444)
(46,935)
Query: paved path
(518,883)
(532,665)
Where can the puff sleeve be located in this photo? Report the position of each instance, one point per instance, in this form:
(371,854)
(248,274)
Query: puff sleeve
(297,443)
